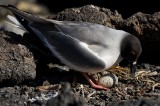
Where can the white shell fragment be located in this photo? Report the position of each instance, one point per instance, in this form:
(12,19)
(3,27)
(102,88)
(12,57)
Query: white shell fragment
(108,80)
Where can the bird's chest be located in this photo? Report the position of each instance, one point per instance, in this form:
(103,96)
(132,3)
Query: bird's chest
(111,57)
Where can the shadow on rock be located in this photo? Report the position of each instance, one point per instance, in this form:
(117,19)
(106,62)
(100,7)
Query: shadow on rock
(17,64)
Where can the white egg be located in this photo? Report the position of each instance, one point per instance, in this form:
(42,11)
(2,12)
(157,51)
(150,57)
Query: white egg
(108,80)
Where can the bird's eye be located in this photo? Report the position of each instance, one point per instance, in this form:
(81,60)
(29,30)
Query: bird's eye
(132,54)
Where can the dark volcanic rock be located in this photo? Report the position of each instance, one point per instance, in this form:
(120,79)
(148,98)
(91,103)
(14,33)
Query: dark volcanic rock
(125,7)
(67,98)
(139,102)
(147,28)
(15,96)
(16,61)
(29,96)
(89,13)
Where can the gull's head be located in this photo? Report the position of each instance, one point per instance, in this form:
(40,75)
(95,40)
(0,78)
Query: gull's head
(131,50)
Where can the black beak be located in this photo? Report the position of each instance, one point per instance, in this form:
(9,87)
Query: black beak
(133,67)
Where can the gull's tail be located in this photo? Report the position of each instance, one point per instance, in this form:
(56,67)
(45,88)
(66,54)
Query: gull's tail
(15,22)
(23,17)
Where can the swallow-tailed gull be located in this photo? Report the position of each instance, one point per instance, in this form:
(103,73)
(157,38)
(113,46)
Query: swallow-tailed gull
(82,46)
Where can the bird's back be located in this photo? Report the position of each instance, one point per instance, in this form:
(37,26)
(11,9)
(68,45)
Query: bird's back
(100,39)
(91,33)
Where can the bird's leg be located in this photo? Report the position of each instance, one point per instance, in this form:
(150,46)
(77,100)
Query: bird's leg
(94,84)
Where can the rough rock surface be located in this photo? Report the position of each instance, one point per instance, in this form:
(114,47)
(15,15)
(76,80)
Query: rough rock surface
(139,102)
(89,13)
(29,96)
(147,28)
(16,61)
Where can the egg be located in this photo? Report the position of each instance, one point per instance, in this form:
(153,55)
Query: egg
(108,80)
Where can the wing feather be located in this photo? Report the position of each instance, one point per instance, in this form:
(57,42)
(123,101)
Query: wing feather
(70,50)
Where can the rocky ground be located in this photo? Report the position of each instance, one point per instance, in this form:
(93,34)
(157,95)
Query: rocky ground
(26,65)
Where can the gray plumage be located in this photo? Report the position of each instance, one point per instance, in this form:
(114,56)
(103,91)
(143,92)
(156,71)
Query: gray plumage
(83,46)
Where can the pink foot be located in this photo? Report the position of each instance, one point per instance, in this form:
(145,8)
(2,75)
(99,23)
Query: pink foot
(96,86)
